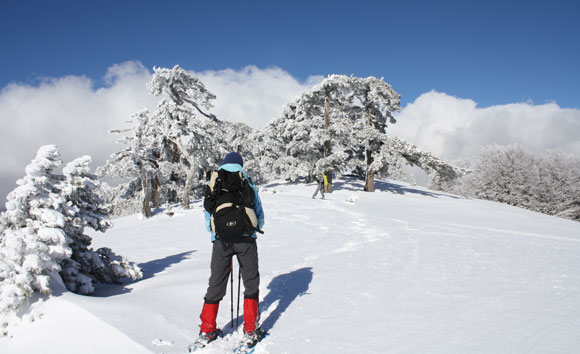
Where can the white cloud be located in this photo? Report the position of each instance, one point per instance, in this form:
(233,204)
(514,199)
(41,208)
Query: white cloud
(72,114)
(453,127)
(252,95)
(68,112)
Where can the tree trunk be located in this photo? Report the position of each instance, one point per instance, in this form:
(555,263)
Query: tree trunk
(146,193)
(370,176)
(187,190)
(179,149)
(328,187)
(155,192)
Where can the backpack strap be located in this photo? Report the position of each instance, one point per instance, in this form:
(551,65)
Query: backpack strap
(212,180)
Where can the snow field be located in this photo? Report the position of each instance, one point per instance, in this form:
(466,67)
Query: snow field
(403,270)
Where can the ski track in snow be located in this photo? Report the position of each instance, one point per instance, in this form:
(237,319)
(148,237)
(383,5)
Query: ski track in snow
(429,272)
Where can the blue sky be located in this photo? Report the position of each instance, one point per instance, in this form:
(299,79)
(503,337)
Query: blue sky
(494,52)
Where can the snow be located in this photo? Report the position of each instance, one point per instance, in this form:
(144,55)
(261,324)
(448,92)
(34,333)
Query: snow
(402,270)
(68,328)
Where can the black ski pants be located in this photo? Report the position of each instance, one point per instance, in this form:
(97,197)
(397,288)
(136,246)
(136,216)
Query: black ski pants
(221,261)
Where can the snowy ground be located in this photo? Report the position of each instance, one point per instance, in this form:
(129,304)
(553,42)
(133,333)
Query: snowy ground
(403,270)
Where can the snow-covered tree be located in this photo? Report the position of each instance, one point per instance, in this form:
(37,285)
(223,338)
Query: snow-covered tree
(139,161)
(558,188)
(268,149)
(43,232)
(84,208)
(312,132)
(337,125)
(340,125)
(241,138)
(169,151)
(33,242)
(188,131)
(502,174)
(547,183)
(296,140)
(442,174)
(376,100)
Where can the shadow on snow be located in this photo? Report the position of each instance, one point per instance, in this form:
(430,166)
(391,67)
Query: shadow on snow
(284,289)
(356,184)
(150,269)
(159,265)
(353,183)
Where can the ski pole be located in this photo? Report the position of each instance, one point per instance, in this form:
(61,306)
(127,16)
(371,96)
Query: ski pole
(238,309)
(232,292)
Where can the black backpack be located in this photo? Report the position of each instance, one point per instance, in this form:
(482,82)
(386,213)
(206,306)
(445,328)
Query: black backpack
(230,200)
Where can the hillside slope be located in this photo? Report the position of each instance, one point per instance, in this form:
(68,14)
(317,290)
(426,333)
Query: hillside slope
(402,270)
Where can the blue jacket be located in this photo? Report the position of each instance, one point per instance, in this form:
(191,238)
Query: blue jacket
(234,167)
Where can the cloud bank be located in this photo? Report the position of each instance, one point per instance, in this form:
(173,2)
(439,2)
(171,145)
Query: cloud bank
(455,128)
(71,113)
(252,95)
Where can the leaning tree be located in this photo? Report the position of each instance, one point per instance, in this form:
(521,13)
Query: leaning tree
(189,132)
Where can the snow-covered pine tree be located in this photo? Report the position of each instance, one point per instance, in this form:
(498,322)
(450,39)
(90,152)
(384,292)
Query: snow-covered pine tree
(237,137)
(255,156)
(303,135)
(268,150)
(241,138)
(387,161)
(377,100)
(139,161)
(359,110)
(33,242)
(84,208)
(301,142)
(43,232)
(337,124)
(359,131)
(188,131)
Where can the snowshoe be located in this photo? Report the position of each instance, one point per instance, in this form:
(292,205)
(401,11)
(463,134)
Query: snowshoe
(249,341)
(204,339)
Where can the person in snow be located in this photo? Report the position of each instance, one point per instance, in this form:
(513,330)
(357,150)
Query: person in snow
(245,249)
(320,183)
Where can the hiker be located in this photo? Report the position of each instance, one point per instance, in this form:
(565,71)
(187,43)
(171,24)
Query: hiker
(321,182)
(226,245)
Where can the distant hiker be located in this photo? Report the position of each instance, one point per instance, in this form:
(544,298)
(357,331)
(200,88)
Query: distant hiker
(233,214)
(321,181)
